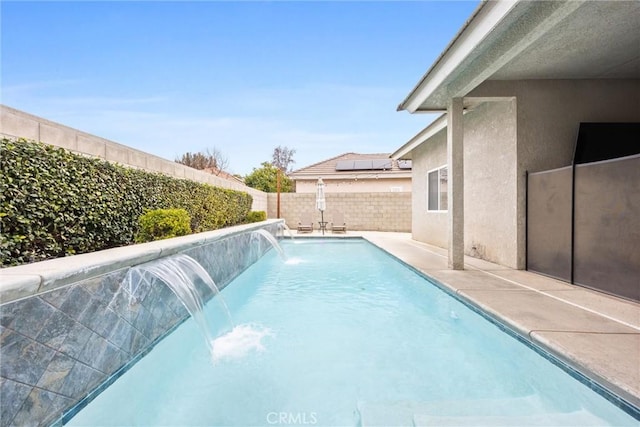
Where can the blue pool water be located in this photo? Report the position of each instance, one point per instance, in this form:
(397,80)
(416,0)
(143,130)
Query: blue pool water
(344,335)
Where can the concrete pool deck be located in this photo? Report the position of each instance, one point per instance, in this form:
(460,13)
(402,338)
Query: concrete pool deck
(596,334)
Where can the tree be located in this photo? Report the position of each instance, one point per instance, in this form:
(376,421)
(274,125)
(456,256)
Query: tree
(212,160)
(282,158)
(265,178)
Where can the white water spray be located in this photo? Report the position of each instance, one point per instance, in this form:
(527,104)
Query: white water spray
(236,344)
(283,227)
(271,240)
(181,273)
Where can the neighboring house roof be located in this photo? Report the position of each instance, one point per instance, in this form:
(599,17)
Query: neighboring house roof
(349,164)
(528,40)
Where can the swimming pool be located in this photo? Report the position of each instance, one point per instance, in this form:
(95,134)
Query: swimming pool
(342,334)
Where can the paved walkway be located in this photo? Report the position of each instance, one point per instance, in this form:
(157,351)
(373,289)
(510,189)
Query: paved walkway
(597,334)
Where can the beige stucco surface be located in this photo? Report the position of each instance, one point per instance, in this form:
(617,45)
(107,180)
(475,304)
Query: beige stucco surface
(357,183)
(426,226)
(548,116)
(532,126)
(489,185)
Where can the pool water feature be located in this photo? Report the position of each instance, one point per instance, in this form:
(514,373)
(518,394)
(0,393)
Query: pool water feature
(272,240)
(283,227)
(347,336)
(185,277)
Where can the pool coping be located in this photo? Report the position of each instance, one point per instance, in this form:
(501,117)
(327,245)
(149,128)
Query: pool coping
(618,385)
(26,280)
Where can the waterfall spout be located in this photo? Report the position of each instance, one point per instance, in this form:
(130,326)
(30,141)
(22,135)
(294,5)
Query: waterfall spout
(184,276)
(283,227)
(271,240)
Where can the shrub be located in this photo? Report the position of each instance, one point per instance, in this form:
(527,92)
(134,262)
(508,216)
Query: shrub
(163,224)
(256,216)
(55,203)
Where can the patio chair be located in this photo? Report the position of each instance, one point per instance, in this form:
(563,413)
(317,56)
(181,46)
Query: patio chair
(338,224)
(305,225)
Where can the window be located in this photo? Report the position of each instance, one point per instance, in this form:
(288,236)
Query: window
(437,189)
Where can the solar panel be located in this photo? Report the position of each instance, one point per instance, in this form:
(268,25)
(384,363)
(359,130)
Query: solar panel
(344,165)
(375,164)
(362,165)
(404,164)
(381,164)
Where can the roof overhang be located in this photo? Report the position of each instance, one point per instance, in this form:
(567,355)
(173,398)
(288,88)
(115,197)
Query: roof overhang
(436,126)
(524,40)
(440,123)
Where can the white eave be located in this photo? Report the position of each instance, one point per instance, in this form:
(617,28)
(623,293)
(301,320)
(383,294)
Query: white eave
(436,126)
(520,40)
(474,31)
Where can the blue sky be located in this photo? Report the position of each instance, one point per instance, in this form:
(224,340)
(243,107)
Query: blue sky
(322,78)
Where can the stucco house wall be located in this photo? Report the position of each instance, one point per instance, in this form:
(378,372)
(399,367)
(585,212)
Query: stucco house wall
(426,226)
(489,189)
(356,185)
(549,112)
(490,182)
(548,116)
(531,127)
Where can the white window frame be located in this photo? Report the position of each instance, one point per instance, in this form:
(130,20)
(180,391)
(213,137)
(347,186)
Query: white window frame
(429,172)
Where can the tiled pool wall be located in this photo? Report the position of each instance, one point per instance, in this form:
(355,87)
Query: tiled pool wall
(59,346)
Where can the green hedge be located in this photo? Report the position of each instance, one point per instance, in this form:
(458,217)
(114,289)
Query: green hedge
(256,216)
(163,224)
(55,203)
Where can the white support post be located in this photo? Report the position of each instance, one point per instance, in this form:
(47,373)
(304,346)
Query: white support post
(455,164)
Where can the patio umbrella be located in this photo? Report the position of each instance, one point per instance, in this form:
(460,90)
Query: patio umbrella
(321,205)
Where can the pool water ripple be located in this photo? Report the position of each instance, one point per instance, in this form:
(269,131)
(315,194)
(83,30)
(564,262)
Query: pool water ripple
(347,328)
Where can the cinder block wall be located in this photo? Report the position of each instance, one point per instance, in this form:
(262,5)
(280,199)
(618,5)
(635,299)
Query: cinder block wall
(18,124)
(362,211)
